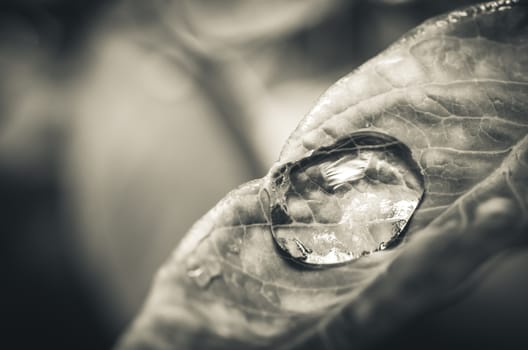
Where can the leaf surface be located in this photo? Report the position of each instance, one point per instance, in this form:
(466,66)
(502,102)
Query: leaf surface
(455,92)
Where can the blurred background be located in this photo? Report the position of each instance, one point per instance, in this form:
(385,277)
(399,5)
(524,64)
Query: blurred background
(122,122)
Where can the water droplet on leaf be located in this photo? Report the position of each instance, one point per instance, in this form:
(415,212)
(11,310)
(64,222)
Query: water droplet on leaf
(358,195)
(203,273)
(233,248)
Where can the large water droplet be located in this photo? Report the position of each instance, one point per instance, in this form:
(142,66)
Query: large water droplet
(345,201)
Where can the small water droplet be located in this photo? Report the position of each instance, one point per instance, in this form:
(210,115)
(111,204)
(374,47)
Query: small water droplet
(233,248)
(362,191)
(270,293)
(199,276)
(203,273)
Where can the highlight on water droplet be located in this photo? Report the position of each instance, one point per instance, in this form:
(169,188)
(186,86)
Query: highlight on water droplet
(344,201)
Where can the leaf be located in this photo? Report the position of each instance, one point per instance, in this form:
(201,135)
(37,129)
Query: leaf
(455,91)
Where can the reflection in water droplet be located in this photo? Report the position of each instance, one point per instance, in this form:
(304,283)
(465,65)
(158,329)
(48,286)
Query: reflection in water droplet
(345,201)
(202,273)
